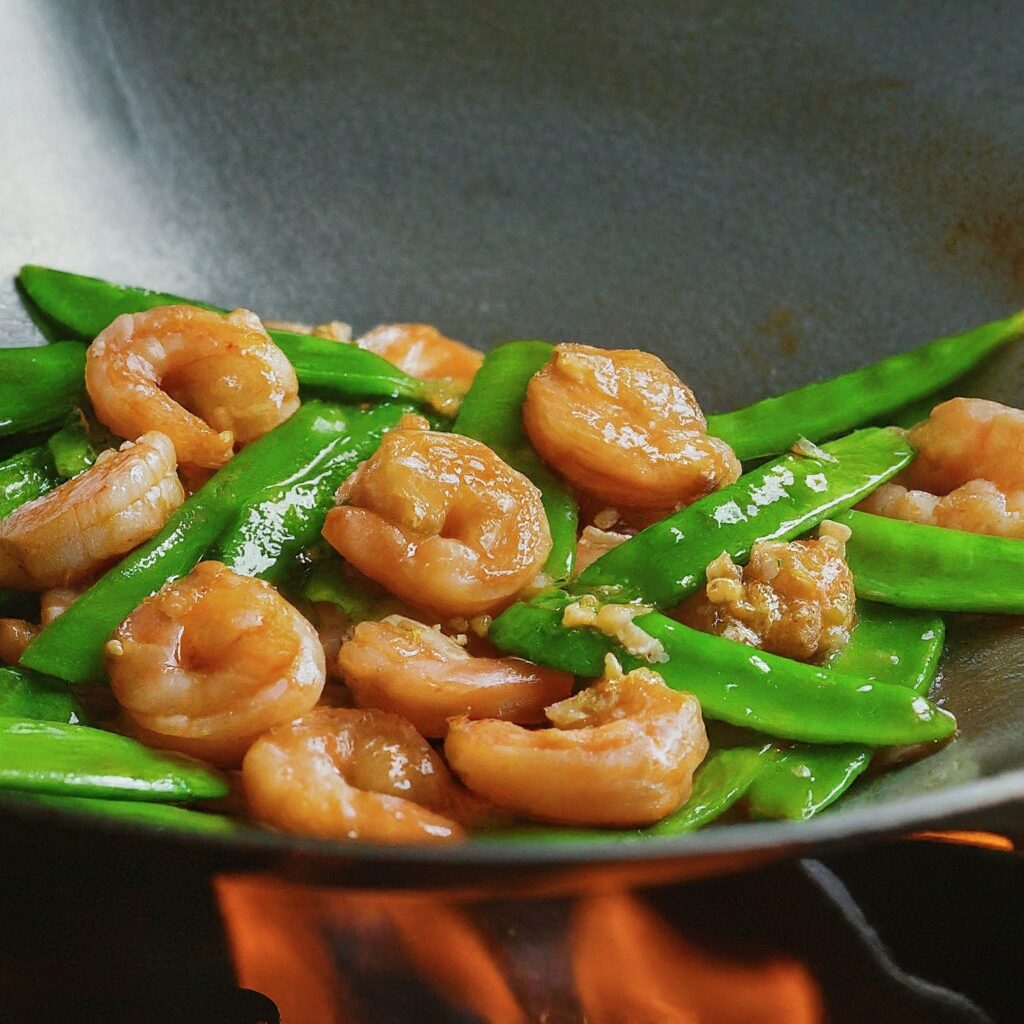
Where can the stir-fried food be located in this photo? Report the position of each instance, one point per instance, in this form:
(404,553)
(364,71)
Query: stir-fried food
(411,631)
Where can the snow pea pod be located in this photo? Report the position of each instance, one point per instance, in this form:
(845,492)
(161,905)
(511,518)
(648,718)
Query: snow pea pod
(162,816)
(719,782)
(23,477)
(917,566)
(40,385)
(832,407)
(336,582)
(888,645)
(85,305)
(74,448)
(71,647)
(28,694)
(733,683)
(50,757)
(288,517)
(492,412)
(780,500)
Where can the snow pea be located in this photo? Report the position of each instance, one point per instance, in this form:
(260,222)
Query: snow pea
(492,412)
(23,477)
(733,683)
(75,447)
(85,305)
(336,582)
(780,500)
(162,816)
(888,645)
(40,385)
(51,757)
(258,478)
(269,533)
(917,566)
(832,407)
(718,783)
(28,694)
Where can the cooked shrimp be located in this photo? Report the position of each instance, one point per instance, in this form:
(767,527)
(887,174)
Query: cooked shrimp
(15,636)
(793,599)
(622,427)
(967,439)
(119,502)
(342,773)
(977,507)
(423,351)
(211,661)
(442,522)
(623,752)
(419,673)
(55,602)
(205,379)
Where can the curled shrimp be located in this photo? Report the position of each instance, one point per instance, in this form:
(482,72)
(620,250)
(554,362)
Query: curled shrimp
(622,753)
(119,502)
(622,427)
(211,661)
(417,672)
(423,351)
(442,522)
(977,507)
(205,379)
(967,439)
(342,773)
(794,599)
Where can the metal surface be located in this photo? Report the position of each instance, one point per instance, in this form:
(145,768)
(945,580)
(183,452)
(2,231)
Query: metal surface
(762,194)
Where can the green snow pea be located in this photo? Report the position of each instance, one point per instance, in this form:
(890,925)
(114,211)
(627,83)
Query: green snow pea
(492,412)
(917,566)
(270,532)
(888,645)
(832,407)
(733,683)
(723,779)
(778,501)
(163,816)
(75,447)
(258,478)
(28,694)
(85,305)
(23,477)
(50,757)
(336,582)
(40,385)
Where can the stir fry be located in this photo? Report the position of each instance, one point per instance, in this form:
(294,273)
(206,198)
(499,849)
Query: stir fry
(259,574)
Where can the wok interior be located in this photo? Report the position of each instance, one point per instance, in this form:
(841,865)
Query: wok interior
(761,198)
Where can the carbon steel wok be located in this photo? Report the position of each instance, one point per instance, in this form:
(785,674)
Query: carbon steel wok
(762,194)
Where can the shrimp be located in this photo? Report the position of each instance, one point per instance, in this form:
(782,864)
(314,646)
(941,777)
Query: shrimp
(15,636)
(72,532)
(967,439)
(211,661)
(622,753)
(423,351)
(342,773)
(623,428)
(977,507)
(205,379)
(419,673)
(55,602)
(793,599)
(442,522)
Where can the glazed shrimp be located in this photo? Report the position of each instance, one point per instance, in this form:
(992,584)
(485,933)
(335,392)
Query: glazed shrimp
(622,753)
(15,636)
(417,672)
(793,599)
(423,351)
(442,522)
(211,661)
(119,502)
(622,427)
(205,379)
(342,773)
(967,439)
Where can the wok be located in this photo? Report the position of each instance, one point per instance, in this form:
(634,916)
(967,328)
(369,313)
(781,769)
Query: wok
(763,194)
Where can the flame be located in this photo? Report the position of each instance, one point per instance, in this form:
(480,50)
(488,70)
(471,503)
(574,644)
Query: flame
(632,967)
(989,840)
(628,965)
